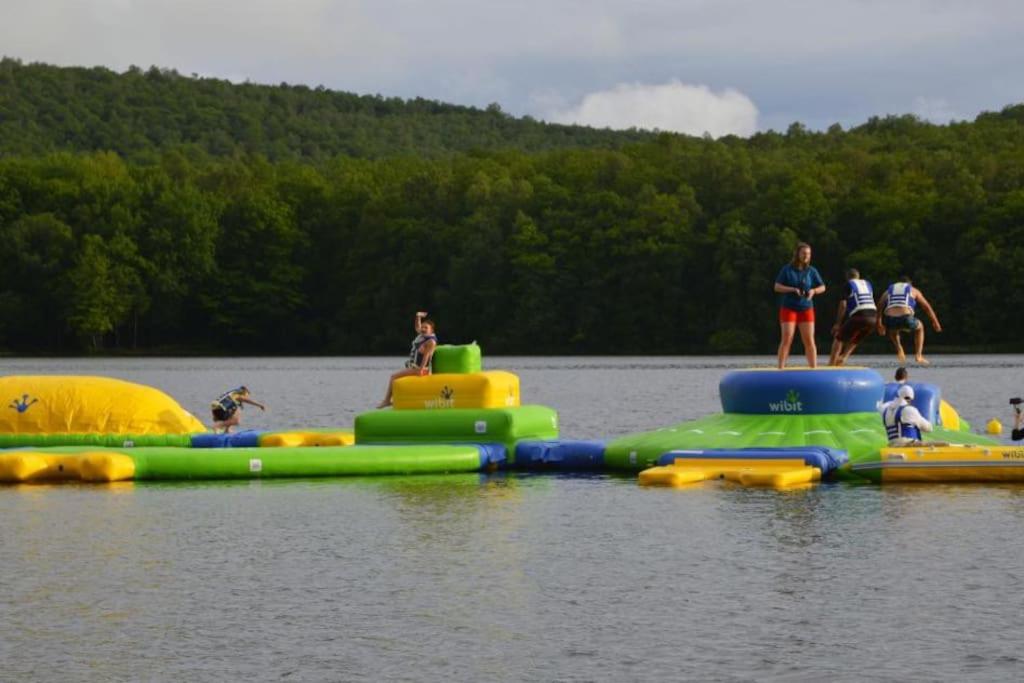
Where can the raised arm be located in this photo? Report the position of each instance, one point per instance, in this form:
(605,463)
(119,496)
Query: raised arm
(927,309)
(420,315)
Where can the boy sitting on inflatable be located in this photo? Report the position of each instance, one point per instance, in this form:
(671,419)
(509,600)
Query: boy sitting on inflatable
(420,355)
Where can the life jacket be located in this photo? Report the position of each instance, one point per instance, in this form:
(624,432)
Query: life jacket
(895,428)
(228,401)
(416,352)
(861,297)
(901,294)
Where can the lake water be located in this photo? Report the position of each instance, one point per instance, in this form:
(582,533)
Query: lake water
(510,577)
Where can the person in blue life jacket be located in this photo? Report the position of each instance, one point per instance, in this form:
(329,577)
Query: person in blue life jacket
(227,410)
(797,284)
(898,305)
(904,424)
(856,318)
(420,354)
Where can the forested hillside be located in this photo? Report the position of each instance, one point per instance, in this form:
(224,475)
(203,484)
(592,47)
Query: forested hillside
(140,113)
(665,245)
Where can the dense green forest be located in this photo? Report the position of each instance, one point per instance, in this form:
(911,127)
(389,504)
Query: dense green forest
(139,113)
(147,235)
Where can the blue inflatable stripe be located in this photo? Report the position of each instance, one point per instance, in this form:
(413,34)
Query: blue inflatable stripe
(492,454)
(249,438)
(801,392)
(825,459)
(567,455)
(927,398)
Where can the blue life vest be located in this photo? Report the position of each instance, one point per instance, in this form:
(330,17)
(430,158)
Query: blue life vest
(416,352)
(901,294)
(861,297)
(897,429)
(227,402)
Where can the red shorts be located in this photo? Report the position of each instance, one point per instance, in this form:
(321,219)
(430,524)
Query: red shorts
(788,315)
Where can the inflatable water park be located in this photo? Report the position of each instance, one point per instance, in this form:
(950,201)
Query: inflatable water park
(777,428)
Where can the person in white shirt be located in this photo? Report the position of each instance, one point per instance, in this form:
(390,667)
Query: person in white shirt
(903,422)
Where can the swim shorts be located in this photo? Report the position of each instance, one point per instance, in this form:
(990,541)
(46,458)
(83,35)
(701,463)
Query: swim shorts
(220,415)
(901,322)
(788,315)
(857,326)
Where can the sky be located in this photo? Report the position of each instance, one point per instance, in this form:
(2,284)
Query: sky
(692,66)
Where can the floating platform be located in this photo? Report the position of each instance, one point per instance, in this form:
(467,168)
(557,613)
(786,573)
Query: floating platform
(179,464)
(505,426)
(944,464)
(772,467)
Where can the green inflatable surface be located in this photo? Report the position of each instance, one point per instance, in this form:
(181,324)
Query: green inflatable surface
(861,435)
(174,464)
(461,359)
(102,440)
(474,425)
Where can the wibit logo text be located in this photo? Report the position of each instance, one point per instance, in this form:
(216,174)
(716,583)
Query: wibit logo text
(446,399)
(790,404)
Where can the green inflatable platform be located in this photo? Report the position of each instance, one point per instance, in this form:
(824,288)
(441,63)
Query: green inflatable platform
(459,425)
(103,440)
(178,464)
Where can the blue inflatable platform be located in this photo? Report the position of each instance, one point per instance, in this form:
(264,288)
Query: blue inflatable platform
(561,455)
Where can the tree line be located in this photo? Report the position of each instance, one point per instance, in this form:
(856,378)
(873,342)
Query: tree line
(669,244)
(139,113)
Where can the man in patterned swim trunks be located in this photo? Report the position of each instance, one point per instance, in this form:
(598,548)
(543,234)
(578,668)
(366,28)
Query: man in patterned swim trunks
(856,317)
(898,304)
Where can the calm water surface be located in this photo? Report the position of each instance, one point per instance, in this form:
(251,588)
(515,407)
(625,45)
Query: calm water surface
(510,577)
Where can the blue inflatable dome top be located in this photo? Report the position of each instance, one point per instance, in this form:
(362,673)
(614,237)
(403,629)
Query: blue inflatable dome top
(801,391)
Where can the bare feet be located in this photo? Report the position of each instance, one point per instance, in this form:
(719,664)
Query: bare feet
(921,360)
(901,358)
(383,404)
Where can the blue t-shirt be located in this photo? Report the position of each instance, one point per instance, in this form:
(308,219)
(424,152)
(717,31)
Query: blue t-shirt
(805,279)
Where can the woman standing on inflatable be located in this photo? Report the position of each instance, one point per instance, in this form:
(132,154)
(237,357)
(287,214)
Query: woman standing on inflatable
(798,282)
(420,355)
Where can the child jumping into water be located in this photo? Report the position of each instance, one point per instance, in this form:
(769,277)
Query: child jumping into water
(420,355)
(227,410)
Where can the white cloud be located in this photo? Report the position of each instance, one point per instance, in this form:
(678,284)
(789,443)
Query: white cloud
(672,106)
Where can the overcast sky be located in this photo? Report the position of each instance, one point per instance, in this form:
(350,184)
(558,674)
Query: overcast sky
(720,66)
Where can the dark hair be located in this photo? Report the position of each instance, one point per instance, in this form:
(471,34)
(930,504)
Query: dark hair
(429,321)
(906,278)
(796,253)
(852,274)
(901,373)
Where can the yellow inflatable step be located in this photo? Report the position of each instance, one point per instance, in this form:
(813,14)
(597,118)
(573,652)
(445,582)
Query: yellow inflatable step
(968,463)
(949,416)
(746,472)
(489,389)
(19,467)
(293,439)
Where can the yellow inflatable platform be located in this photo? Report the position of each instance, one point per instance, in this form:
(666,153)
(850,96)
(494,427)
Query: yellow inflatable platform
(308,438)
(946,464)
(488,389)
(780,473)
(38,466)
(56,404)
